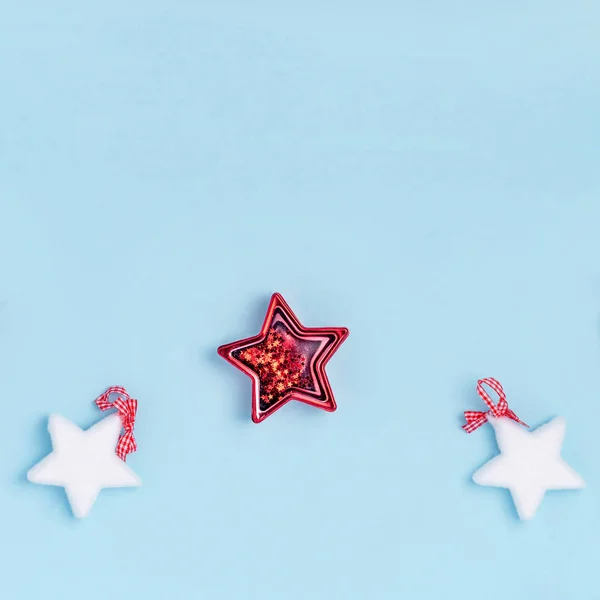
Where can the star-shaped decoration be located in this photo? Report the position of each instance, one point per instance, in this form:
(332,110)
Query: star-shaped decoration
(83,462)
(529,463)
(286,361)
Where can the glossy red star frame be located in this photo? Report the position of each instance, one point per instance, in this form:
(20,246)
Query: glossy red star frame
(286,361)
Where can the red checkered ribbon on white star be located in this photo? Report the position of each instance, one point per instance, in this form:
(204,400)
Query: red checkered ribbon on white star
(126,408)
(475,419)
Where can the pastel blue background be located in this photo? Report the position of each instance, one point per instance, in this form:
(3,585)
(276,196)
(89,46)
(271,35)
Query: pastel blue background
(425,174)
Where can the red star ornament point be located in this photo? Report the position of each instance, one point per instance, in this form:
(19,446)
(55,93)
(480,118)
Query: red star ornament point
(286,361)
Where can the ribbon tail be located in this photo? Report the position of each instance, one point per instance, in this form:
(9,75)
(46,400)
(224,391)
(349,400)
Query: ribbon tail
(126,445)
(474,421)
(513,416)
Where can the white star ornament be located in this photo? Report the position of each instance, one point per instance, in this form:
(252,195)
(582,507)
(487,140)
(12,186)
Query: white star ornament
(83,462)
(529,463)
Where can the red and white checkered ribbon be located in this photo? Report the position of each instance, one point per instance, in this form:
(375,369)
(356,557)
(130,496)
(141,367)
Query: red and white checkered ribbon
(126,407)
(476,419)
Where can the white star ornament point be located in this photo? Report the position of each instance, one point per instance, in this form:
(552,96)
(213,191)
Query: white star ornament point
(83,462)
(529,463)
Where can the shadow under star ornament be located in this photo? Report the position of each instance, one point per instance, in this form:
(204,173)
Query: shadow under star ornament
(286,361)
(529,463)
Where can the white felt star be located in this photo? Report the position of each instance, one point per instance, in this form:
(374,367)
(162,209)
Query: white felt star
(83,462)
(529,463)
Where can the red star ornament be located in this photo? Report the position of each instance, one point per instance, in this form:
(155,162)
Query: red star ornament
(286,361)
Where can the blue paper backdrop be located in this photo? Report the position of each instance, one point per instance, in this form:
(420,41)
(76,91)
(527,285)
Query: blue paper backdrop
(425,174)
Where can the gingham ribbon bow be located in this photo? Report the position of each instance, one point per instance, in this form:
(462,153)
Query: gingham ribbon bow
(126,407)
(475,419)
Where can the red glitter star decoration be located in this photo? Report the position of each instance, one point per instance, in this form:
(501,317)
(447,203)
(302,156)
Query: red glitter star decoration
(286,361)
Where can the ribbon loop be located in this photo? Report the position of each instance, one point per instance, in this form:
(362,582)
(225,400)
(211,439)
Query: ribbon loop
(475,419)
(126,409)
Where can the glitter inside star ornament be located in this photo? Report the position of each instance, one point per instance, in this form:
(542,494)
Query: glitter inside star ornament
(85,462)
(286,361)
(529,462)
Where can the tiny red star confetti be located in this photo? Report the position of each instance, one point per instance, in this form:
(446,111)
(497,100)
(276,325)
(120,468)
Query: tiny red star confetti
(286,361)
